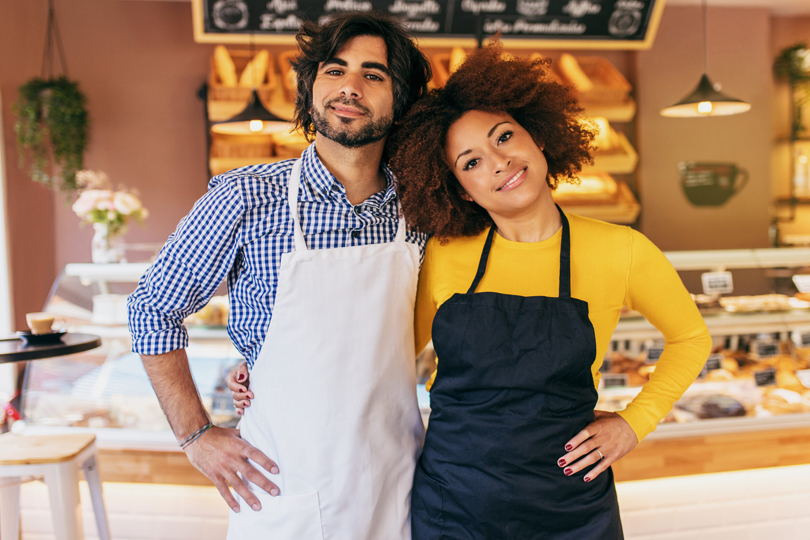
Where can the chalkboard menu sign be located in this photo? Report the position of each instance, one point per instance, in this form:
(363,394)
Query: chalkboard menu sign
(592,24)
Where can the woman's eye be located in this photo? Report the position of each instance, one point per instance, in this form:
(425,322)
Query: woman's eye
(505,136)
(470,164)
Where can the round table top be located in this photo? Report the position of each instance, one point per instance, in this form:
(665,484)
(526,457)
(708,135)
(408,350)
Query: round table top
(15,349)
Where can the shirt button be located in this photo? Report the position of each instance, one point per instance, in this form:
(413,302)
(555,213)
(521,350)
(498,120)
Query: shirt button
(355,234)
(358,210)
(335,187)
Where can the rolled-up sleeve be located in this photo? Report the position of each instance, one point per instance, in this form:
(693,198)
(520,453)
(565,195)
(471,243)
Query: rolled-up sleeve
(188,270)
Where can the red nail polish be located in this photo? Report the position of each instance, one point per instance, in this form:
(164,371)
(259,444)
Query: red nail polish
(569,447)
(240,377)
(561,462)
(587,479)
(568,472)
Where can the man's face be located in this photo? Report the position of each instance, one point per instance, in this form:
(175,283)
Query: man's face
(352,96)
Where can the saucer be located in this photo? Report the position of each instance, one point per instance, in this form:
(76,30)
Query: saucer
(51,338)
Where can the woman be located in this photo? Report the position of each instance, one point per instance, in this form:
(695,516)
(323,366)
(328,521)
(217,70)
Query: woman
(520,301)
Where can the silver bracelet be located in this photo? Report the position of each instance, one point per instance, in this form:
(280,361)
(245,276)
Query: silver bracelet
(196,435)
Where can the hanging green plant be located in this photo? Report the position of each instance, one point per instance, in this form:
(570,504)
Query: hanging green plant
(793,64)
(52,126)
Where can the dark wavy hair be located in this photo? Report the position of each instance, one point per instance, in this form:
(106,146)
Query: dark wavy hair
(410,70)
(486,81)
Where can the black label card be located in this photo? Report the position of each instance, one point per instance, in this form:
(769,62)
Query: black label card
(767,348)
(715,361)
(615,380)
(766,377)
(654,353)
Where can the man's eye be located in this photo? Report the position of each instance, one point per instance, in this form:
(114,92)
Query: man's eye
(374,77)
(470,164)
(505,136)
(334,72)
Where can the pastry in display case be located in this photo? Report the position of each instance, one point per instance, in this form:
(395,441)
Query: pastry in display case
(107,389)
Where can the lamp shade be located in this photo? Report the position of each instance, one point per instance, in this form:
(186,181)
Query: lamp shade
(253,119)
(705,101)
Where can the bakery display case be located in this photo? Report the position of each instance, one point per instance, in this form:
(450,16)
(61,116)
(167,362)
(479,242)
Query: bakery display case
(106,390)
(750,407)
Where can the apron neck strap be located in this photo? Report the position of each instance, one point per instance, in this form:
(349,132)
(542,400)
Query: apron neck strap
(565,258)
(292,201)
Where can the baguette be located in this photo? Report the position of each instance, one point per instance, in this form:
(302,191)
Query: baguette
(223,66)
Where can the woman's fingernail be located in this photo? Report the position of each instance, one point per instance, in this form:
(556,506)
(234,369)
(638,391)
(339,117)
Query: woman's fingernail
(240,377)
(246,403)
(587,479)
(235,509)
(568,472)
(561,462)
(243,389)
(569,447)
(274,470)
(274,492)
(256,507)
(239,412)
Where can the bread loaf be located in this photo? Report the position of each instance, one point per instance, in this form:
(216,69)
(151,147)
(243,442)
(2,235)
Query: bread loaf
(570,68)
(255,72)
(224,67)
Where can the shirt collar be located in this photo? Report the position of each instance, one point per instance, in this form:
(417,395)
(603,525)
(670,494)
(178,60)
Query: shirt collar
(319,177)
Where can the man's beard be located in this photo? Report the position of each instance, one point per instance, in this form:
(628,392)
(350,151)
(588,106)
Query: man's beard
(372,132)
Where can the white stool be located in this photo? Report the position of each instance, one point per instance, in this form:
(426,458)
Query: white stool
(57,460)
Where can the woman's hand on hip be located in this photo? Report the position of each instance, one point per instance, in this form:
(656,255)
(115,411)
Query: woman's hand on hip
(239,385)
(605,440)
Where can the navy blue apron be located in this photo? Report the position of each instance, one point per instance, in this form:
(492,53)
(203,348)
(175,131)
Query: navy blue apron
(514,385)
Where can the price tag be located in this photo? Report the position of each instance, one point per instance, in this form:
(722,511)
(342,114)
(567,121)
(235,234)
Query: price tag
(653,354)
(606,366)
(615,380)
(715,361)
(717,282)
(802,282)
(766,377)
(804,339)
(766,349)
(804,377)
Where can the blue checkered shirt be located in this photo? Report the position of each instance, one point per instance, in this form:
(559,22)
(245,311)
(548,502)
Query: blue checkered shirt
(239,230)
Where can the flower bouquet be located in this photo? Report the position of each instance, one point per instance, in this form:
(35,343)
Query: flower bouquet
(109,211)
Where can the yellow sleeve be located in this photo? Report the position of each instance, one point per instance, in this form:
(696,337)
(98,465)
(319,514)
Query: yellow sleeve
(426,306)
(656,291)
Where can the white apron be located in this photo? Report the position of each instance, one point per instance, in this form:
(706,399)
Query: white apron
(335,394)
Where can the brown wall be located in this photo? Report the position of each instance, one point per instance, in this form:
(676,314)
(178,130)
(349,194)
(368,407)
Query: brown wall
(140,69)
(739,57)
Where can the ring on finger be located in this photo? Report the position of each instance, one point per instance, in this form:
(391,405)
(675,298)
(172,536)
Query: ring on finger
(601,456)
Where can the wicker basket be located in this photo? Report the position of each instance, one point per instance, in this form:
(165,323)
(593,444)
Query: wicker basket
(242,146)
(609,85)
(288,80)
(226,101)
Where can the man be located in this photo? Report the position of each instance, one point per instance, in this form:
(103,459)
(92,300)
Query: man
(321,278)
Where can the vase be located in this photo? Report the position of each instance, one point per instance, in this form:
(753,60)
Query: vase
(106,247)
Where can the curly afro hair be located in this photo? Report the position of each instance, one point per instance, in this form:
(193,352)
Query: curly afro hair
(486,81)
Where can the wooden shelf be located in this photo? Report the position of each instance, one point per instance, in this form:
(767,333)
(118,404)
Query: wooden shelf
(625,210)
(623,162)
(614,112)
(220,165)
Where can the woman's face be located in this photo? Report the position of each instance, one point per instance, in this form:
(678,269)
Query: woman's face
(498,164)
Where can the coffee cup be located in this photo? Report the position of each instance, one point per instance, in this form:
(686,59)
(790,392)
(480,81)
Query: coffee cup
(40,323)
(711,184)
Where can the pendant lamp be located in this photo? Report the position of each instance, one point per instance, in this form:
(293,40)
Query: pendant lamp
(705,100)
(254,119)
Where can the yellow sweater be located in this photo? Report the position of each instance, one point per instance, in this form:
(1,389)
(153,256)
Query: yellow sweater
(611,267)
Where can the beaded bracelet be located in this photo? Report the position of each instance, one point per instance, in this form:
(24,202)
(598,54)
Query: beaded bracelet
(196,435)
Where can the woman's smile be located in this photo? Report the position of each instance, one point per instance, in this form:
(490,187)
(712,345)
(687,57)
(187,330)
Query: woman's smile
(513,181)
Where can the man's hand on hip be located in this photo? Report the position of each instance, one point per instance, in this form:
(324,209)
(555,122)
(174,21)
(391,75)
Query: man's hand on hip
(222,455)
